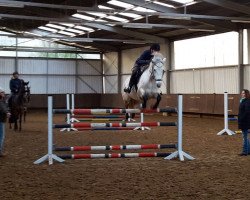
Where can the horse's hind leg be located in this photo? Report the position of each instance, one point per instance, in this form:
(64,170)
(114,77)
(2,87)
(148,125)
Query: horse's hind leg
(158,99)
(20,122)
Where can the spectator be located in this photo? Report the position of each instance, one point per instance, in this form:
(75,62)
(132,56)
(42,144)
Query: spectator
(244,120)
(4,113)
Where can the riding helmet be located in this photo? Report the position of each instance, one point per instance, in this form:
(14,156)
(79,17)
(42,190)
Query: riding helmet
(155,47)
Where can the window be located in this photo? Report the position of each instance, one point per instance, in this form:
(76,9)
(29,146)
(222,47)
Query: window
(209,51)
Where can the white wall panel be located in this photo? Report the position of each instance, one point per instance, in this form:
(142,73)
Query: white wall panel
(32,66)
(89,84)
(7,65)
(4,82)
(89,67)
(110,63)
(58,84)
(62,67)
(38,84)
(205,81)
(129,57)
(247,77)
(111,84)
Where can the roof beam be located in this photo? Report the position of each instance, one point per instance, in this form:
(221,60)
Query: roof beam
(43,5)
(126,32)
(121,31)
(230,5)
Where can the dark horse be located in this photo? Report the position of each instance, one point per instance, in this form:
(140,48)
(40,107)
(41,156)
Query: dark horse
(17,105)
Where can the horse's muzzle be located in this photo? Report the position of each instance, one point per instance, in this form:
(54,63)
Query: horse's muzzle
(158,83)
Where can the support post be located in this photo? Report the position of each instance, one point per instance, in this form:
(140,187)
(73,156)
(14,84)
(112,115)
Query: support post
(226,129)
(50,156)
(179,153)
(72,119)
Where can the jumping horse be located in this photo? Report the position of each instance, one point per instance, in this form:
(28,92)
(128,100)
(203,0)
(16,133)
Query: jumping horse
(148,85)
(17,106)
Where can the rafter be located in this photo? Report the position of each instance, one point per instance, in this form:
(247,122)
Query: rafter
(230,5)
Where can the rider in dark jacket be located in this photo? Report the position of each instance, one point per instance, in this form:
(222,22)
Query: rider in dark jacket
(15,83)
(143,60)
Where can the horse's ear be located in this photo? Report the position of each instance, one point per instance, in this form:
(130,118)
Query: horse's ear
(26,83)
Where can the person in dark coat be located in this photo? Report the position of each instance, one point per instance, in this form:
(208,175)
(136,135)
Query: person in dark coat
(4,113)
(15,83)
(143,60)
(244,120)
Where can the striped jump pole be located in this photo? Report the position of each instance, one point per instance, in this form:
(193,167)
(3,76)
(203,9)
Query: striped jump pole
(100,119)
(101,125)
(50,156)
(114,155)
(179,153)
(116,147)
(226,129)
(107,129)
(112,111)
(101,116)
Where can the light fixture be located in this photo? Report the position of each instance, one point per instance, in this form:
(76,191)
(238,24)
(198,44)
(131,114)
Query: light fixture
(10,5)
(55,26)
(201,30)
(174,17)
(136,25)
(240,21)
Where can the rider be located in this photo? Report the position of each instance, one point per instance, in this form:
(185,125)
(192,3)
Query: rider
(15,85)
(143,60)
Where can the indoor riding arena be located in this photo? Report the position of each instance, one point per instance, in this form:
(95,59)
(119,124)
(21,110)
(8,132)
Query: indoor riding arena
(124,100)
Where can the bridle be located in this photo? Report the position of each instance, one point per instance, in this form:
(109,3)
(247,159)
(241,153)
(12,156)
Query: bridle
(155,64)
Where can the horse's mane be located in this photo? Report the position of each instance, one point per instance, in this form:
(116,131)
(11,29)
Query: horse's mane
(158,54)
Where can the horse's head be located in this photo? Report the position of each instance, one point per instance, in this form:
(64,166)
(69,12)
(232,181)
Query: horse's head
(158,68)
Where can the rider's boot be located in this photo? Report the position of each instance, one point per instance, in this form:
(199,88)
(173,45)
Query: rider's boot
(132,81)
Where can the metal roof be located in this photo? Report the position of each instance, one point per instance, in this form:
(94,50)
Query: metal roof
(113,25)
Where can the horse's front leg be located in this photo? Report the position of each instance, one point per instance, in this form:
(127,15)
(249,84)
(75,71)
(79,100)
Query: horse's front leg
(158,100)
(15,125)
(144,101)
(20,122)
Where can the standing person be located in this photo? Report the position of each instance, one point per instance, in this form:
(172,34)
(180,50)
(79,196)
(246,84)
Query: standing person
(143,60)
(4,113)
(244,120)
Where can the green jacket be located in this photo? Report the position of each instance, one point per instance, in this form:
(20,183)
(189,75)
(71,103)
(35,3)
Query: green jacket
(3,110)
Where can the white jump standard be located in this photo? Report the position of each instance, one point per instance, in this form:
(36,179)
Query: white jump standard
(226,129)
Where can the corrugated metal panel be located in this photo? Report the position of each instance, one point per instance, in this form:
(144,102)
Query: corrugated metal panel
(62,67)
(205,81)
(110,63)
(7,65)
(89,84)
(246,76)
(38,84)
(181,82)
(89,67)
(4,82)
(226,80)
(111,84)
(57,84)
(32,66)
